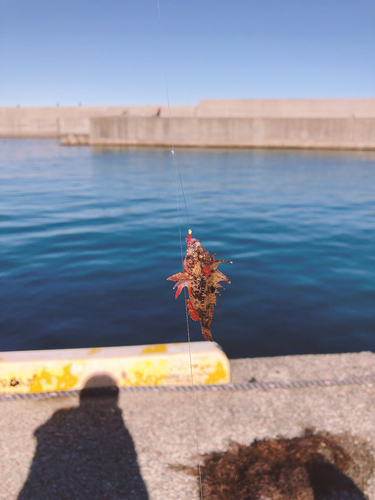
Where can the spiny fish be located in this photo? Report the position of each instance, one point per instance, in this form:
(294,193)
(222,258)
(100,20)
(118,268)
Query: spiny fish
(201,277)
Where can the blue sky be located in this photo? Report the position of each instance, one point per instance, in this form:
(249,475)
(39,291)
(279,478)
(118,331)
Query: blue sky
(112,52)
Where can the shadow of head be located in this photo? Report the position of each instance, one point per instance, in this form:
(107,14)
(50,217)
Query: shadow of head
(100,387)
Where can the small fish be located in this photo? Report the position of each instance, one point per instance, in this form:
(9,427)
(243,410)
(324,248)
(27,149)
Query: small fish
(201,277)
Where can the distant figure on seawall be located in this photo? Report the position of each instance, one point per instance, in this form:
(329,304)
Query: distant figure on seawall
(158,112)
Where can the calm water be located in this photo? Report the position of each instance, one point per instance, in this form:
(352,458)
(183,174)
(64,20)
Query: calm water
(88,238)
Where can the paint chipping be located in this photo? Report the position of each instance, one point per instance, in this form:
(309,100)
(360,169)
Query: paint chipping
(145,372)
(56,380)
(94,350)
(154,348)
(217,376)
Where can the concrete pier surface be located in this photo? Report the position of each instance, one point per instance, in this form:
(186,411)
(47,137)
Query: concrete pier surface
(243,123)
(71,447)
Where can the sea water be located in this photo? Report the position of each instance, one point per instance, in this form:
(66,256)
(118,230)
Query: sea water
(89,236)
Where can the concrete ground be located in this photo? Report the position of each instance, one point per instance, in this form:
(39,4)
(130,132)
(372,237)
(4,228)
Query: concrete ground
(78,448)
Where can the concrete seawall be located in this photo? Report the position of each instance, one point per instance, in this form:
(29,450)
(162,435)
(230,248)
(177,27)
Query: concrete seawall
(333,133)
(275,123)
(61,121)
(286,108)
(49,122)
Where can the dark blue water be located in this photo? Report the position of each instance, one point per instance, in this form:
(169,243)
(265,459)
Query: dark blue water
(88,238)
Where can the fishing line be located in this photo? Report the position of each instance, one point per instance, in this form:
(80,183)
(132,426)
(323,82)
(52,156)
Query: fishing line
(182,256)
(170,118)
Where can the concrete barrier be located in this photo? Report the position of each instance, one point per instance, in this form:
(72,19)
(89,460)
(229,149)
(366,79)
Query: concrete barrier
(331,133)
(150,365)
(46,122)
(279,123)
(61,121)
(286,108)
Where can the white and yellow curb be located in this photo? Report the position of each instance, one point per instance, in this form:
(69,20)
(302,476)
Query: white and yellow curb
(23,372)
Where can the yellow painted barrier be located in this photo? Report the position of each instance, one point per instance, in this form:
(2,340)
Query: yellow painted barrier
(151,365)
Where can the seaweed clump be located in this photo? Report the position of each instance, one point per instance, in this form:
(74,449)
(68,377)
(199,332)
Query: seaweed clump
(314,466)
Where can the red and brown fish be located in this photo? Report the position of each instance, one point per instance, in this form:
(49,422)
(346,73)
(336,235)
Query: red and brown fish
(201,277)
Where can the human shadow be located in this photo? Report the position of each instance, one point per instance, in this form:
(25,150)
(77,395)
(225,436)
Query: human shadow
(86,452)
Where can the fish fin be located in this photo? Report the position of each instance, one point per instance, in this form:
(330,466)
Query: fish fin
(192,311)
(222,277)
(182,281)
(207,333)
(217,262)
(180,285)
(176,277)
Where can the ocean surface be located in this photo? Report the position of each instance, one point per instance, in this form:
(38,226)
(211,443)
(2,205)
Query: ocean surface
(89,236)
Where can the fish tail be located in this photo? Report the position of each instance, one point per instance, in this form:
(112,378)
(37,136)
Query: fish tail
(206,333)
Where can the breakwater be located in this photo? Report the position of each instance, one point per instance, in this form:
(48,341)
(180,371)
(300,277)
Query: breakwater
(274,123)
(330,133)
(62,121)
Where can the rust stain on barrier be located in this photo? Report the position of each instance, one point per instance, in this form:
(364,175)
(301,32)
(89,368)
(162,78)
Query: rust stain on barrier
(14,381)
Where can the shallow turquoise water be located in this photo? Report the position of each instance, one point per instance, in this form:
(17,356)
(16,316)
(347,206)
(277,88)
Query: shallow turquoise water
(88,238)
